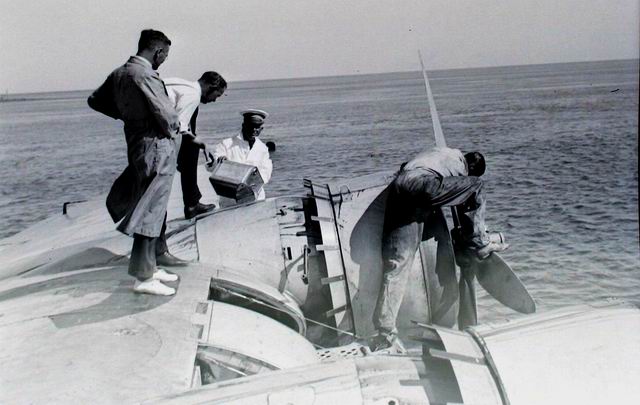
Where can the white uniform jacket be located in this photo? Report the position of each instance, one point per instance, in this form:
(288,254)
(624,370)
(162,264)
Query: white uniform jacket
(237,149)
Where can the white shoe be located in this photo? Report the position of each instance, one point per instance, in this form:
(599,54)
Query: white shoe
(162,275)
(152,286)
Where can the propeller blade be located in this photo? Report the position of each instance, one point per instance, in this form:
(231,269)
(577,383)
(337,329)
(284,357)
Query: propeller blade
(440,277)
(468,312)
(497,278)
(494,275)
(435,119)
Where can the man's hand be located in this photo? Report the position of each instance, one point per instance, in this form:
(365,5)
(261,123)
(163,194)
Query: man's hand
(208,156)
(199,143)
(221,159)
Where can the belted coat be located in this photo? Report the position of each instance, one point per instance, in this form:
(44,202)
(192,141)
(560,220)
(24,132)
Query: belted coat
(135,94)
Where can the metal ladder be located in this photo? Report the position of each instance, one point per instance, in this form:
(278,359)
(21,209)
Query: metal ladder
(331,249)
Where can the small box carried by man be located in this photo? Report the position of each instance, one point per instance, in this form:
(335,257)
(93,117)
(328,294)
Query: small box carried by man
(238,181)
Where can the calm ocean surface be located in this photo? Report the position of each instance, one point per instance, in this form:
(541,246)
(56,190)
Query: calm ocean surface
(561,143)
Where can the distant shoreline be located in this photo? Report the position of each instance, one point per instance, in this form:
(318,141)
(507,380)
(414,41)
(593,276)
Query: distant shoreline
(8,99)
(39,95)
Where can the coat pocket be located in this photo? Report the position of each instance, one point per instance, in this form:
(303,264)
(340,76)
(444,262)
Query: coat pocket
(165,157)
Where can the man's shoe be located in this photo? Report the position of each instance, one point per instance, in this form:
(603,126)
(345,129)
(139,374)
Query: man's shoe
(387,344)
(379,342)
(153,287)
(484,252)
(162,275)
(168,260)
(194,211)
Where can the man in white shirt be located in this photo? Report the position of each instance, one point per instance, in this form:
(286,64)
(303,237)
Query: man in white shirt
(247,148)
(186,97)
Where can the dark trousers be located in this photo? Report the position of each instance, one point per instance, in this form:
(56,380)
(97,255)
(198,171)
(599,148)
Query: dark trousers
(142,263)
(188,168)
(413,195)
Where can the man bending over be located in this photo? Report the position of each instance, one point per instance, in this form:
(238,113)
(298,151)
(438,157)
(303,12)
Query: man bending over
(439,177)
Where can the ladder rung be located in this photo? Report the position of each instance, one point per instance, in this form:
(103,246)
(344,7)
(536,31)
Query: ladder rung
(323,248)
(423,339)
(334,311)
(439,328)
(329,280)
(321,219)
(454,356)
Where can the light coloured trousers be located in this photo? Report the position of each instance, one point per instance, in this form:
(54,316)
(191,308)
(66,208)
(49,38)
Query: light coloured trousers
(412,196)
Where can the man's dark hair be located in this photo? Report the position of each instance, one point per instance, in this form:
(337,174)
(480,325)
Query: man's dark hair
(475,163)
(214,80)
(150,38)
(271,146)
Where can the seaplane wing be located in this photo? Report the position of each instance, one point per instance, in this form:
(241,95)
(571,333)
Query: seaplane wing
(72,330)
(576,355)
(83,336)
(560,357)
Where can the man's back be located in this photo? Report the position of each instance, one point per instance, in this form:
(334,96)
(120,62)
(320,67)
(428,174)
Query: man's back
(442,161)
(141,101)
(185,98)
(131,102)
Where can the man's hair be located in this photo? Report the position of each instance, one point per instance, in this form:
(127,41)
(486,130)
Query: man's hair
(214,79)
(151,38)
(475,163)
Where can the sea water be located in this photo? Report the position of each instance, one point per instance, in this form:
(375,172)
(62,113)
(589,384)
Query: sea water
(561,143)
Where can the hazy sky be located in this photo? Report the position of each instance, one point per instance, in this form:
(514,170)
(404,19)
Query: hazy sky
(49,45)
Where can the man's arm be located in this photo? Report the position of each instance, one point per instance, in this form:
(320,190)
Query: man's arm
(159,104)
(265,167)
(190,134)
(263,163)
(187,101)
(220,151)
(102,100)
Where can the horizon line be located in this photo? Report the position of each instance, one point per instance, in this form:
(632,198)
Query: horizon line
(359,74)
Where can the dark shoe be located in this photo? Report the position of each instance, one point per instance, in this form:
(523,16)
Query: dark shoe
(379,342)
(169,260)
(387,344)
(194,211)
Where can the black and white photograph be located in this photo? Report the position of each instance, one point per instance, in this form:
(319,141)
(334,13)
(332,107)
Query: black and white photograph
(304,202)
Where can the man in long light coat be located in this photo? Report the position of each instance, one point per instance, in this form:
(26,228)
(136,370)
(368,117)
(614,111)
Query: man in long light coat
(135,94)
(247,148)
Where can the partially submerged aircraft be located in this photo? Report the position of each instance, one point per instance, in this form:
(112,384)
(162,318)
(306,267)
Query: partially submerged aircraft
(274,310)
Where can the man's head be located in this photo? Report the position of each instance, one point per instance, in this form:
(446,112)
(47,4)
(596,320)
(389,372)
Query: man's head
(271,146)
(212,85)
(252,124)
(154,46)
(475,163)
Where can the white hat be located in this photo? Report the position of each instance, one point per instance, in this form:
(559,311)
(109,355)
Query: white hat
(254,116)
